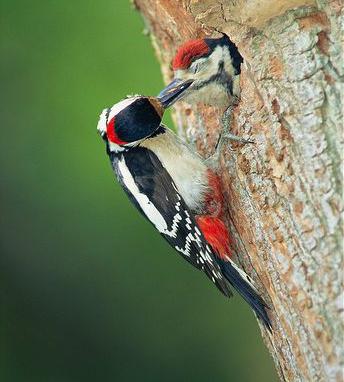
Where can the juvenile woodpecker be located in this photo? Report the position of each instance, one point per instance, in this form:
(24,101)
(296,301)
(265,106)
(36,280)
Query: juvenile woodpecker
(172,187)
(214,66)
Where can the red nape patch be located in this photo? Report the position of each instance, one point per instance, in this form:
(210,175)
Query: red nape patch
(188,52)
(216,234)
(111,133)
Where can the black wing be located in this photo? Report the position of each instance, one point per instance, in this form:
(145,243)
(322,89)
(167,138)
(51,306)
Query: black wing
(152,190)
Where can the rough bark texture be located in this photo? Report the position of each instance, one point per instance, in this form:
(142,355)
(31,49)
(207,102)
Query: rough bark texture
(284,192)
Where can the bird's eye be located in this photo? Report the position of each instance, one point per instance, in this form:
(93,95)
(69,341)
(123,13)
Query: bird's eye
(198,65)
(194,68)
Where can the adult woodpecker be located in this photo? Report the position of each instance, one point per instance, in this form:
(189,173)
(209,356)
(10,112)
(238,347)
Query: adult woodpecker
(173,188)
(214,66)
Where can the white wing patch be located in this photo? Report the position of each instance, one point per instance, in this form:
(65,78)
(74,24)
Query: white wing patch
(147,206)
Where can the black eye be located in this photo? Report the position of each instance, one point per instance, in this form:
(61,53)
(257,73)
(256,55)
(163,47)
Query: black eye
(194,68)
(198,65)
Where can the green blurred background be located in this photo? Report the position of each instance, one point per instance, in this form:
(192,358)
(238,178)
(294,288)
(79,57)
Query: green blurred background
(89,291)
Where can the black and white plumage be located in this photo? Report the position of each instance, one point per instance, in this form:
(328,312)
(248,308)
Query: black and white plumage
(155,195)
(168,184)
(214,67)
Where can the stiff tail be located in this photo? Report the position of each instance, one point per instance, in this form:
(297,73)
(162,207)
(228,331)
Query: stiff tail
(243,285)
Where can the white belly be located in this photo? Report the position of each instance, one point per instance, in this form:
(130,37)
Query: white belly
(186,168)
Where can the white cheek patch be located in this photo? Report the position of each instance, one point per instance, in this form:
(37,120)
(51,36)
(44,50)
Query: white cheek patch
(217,54)
(214,59)
(147,206)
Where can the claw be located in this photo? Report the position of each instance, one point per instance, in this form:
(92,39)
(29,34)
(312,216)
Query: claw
(231,137)
(226,124)
(235,138)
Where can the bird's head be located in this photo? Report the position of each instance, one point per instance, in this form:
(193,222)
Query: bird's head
(132,120)
(203,61)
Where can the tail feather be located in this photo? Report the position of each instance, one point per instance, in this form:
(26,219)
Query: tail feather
(242,283)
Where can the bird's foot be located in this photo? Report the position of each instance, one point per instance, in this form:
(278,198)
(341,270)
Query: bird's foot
(225,136)
(235,138)
(227,119)
(213,160)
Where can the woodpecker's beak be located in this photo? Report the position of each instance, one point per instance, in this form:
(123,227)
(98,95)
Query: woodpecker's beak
(173,92)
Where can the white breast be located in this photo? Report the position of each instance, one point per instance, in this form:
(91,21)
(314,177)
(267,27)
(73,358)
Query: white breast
(186,168)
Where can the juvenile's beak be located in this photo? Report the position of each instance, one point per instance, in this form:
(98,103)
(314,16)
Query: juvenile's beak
(173,92)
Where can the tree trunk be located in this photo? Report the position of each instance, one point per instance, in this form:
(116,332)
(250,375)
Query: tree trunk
(284,192)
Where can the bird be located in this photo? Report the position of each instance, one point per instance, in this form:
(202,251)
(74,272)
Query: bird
(173,188)
(214,66)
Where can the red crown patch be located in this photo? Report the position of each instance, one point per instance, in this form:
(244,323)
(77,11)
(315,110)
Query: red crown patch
(188,52)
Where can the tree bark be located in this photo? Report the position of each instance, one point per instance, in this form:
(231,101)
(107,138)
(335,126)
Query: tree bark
(284,192)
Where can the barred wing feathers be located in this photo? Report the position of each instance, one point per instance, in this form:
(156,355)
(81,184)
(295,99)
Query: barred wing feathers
(152,190)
